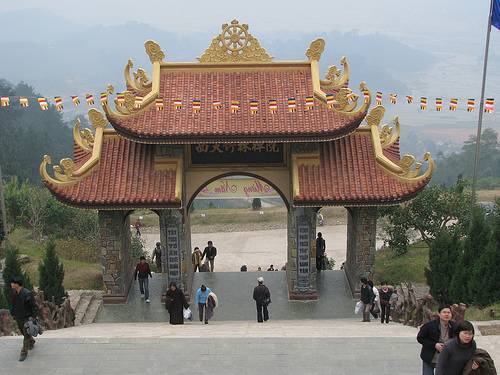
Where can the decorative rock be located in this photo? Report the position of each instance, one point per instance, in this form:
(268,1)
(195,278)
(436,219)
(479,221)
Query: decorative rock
(7,324)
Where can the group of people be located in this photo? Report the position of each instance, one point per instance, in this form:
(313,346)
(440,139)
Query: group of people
(209,254)
(374,301)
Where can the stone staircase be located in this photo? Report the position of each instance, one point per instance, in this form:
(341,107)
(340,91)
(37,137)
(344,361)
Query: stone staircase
(87,304)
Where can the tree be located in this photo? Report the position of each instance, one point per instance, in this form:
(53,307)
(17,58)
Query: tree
(443,255)
(52,275)
(474,245)
(433,210)
(13,269)
(485,283)
(3,301)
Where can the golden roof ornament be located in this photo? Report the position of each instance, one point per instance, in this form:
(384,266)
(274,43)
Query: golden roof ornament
(234,44)
(154,51)
(315,49)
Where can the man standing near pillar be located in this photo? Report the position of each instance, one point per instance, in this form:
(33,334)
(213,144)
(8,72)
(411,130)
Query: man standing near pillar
(262,298)
(157,256)
(320,251)
(210,252)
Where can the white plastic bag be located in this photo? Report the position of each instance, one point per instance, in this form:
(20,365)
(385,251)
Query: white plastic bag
(188,315)
(358,307)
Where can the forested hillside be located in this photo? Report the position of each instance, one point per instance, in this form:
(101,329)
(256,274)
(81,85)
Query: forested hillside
(26,134)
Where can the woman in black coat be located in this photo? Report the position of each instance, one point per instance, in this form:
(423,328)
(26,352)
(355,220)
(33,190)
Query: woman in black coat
(175,301)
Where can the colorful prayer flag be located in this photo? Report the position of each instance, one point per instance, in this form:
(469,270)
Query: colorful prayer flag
(23,101)
(273,105)
(489,105)
(75,100)
(196,105)
(292,104)
(330,100)
(409,99)
(43,104)
(471,104)
(177,103)
(351,96)
(378,98)
(159,104)
(138,102)
(235,106)
(58,100)
(217,104)
(393,98)
(423,103)
(453,104)
(5,101)
(90,99)
(104,98)
(120,99)
(254,106)
(366,95)
(439,104)
(309,103)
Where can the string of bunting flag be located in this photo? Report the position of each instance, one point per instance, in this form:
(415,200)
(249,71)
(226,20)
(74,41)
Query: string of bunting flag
(235,106)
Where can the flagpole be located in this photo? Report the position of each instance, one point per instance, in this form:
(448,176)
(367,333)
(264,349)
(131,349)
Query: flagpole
(481,107)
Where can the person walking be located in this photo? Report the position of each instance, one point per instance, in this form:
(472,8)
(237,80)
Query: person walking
(157,256)
(385,293)
(210,252)
(196,259)
(262,298)
(23,307)
(432,336)
(175,302)
(320,251)
(200,299)
(143,272)
(458,351)
(212,304)
(367,298)
(137,226)
(375,310)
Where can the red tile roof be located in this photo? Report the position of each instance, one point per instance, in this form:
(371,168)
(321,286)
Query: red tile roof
(225,85)
(348,174)
(124,178)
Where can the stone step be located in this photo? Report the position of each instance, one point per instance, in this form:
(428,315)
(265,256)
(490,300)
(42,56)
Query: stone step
(82,307)
(92,310)
(74,298)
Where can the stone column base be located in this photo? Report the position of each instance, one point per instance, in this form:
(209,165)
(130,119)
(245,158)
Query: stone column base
(310,295)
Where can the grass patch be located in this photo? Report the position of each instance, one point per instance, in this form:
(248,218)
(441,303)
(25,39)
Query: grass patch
(77,274)
(409,267)
(476,313)
(488,195)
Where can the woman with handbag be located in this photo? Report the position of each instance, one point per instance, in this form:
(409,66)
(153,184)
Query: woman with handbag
(175,302)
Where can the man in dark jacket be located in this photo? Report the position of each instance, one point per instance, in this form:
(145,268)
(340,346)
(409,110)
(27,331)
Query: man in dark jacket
(23,308)
(367,298)
(262,298)
(432,336)
(210,252)
(143,271)
(320,251)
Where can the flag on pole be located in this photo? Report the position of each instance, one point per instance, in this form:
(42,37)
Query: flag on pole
(393,98)
(75,100)
(138,102)
(292,104)
(378,98)
(439,104)
(159,104)
(5,101)
(120,99)
(23,101)
(309,103)
(489,105)
(235,106)
(351,96)
(90,99)
(104,98)
(273,105)
(471,103)
(43,104)
(366,95)
(330,101)
(254,106)
(423,103)
(58,100)
(196,105)
(409,99)
(495,15)
(217,104)
(453,104)
(177,103)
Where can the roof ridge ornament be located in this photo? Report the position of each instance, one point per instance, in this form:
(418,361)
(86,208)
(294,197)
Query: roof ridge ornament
(234,44)
(315,49)
(154,51)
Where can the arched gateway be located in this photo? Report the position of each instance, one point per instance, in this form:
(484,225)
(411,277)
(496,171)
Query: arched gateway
(236,111)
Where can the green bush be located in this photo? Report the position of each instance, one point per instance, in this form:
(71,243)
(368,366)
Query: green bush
(13,269)
(51,273)
(74,249)
(3,301)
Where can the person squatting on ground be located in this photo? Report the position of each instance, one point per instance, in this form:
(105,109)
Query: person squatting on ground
(458,351)
(320,252)
(23,307)
(157,256)
(196,258)
(175,302)
(367,298)
(262,298)
(432,336)
(210,252)
(143,271)
(385,294)
(200,299)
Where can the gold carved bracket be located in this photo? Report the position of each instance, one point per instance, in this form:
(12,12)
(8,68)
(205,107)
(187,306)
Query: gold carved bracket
(335,78)
(140,81)
(234,44)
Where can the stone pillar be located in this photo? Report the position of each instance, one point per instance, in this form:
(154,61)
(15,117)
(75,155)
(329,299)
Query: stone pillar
(301,263)
(361,241)
(117,264)
(173,236)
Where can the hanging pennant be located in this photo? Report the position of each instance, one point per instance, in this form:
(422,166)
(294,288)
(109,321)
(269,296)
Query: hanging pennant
(196,103)
(309,103)
(43,104)
(138,102)
(439,104)
(453,104)
(351,96)
(23,101)
(393,98)
(378,98)
(104,98)
(5,101)
(90,99)
(235,106)
(217,104)
(254,106)
(292,104)
(489,105)
(330,101)
(423,103)
(120,99)
(75,100)
(409,99)
(159,104)
(177,103)
(273,105)
(471,104)
(58,100)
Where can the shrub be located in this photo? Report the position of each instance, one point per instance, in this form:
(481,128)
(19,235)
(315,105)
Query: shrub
(13,269)
(52,275)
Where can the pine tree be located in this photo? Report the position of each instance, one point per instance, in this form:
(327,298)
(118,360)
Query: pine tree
(3,301)
(443,255)
(13,269)
(485,283)
(474,245)
(52,275)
